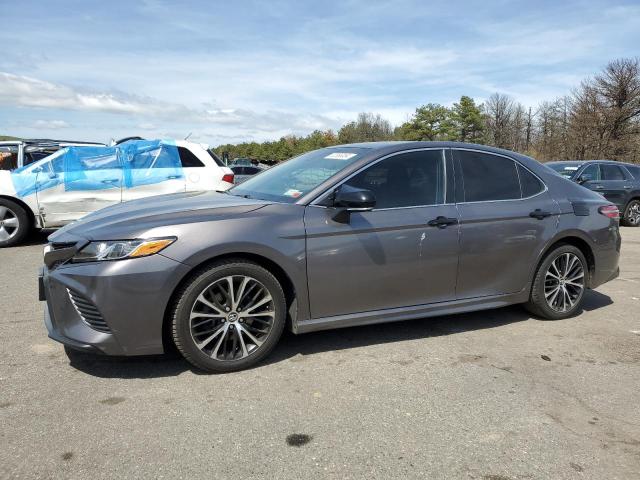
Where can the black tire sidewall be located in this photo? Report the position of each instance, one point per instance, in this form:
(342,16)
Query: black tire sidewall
(188,295)
(625,217)
(24,223)
(538,302)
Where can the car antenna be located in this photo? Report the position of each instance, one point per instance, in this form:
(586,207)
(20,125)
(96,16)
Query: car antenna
(187,137)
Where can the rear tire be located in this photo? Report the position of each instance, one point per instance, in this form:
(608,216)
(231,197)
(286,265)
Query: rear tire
(559,284)
(14,223)
(228,316)
(631,216)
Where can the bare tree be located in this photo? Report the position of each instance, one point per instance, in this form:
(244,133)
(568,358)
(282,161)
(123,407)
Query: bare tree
(499,111)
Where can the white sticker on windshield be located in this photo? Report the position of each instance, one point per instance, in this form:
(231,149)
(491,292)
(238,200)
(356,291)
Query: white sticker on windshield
(571,168)
(340,156)
(293,193)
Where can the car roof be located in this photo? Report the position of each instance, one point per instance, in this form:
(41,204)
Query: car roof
(396,146)
(586,162)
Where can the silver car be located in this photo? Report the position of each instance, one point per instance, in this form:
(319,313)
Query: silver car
(342,236)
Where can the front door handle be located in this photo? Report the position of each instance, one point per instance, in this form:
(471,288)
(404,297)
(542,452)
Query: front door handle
(110,180)
(442,222)
(540,214)
(598,187)
(627,187)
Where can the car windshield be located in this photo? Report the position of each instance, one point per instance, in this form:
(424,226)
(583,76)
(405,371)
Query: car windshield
(566,169)
(292,179)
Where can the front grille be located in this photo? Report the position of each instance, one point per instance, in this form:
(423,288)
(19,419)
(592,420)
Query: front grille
(88,312)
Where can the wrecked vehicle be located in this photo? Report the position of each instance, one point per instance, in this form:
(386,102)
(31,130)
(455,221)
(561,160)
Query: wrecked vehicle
(20,153)
(77,180)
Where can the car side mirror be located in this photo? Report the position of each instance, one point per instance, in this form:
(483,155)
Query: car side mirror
(583,179)
(351,199)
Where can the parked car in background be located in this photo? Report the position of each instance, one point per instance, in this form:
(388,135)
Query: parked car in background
(337,237)
(20,153)
(242,173)
(241,161)
(77,180)
(616,181)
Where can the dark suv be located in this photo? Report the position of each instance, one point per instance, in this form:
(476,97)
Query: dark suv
(617,182)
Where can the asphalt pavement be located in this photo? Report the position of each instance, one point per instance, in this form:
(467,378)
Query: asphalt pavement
(494,395)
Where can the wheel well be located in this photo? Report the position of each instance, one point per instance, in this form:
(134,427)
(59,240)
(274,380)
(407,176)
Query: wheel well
(17,201)
(581,245)
(270,265)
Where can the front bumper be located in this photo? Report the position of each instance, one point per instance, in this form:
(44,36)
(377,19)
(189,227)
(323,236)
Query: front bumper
(130,297)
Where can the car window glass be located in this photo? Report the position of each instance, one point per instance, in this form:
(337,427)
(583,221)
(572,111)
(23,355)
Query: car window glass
(488,177)
(591,173)
(161,157)
(611,172)
(405,180)
(635,171)
(188,159)
(216,159)
(529,183)
(8,157)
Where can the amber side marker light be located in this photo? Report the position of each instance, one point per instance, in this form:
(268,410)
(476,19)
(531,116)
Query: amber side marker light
(149,247)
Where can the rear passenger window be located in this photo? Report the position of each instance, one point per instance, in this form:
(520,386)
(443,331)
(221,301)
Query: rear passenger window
(188,159)
(529,183)
(488,177)
(611,172)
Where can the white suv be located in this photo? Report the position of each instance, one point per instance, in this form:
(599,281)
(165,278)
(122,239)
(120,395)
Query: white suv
(77,180)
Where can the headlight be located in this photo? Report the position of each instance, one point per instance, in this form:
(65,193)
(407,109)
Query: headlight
(121,249)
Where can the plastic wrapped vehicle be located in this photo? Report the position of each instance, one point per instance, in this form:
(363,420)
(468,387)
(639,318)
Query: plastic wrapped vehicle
(77,180)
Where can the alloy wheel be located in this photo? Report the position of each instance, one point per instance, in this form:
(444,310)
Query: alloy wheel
(564,282)
(9,223)
(633,214)
(231,318)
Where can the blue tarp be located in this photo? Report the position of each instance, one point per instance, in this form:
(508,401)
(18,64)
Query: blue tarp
(130,164)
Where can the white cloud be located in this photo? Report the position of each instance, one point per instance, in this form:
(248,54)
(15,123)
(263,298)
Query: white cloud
(50,124)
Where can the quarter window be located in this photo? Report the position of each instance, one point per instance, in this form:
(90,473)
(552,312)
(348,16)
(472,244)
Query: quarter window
(611,172)
(405,180)
(635,171)
(529,183)
(488,177)
(188,159)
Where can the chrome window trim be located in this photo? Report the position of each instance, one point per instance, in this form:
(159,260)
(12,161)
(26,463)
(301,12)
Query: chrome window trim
(544,190)
(314,202)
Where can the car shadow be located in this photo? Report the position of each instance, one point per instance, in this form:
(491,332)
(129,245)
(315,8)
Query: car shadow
(36,237)
(172,364)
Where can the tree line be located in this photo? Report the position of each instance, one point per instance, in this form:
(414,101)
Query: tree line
(599,119)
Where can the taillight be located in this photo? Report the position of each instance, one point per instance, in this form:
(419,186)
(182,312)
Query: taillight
(227,177)
(610,211)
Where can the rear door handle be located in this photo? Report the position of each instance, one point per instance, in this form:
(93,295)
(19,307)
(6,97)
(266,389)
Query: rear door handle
(442,222)
(627,187)
(540,214)
(598,187)
(174,177)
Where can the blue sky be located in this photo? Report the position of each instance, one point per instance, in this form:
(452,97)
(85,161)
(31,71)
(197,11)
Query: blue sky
(243,70)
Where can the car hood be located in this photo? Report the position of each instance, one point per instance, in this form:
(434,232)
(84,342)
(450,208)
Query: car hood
(132,219)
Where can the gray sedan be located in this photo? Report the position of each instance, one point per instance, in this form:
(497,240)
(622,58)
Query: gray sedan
(342,236)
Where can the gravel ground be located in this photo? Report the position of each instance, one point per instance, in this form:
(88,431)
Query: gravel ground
(494,395)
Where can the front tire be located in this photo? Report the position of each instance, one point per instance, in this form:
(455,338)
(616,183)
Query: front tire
(631,216)
(228,316)
(14,223)
(559,284)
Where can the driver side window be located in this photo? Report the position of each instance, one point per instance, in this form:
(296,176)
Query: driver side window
(591,173)
(405,180)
